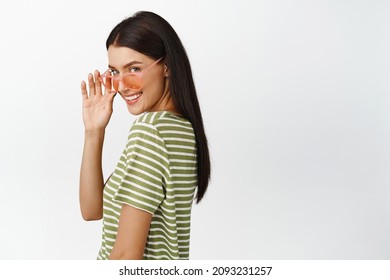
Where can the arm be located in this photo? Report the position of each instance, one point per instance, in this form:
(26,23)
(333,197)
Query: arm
(140,192)
(97,110)
(91,177)
(132,234)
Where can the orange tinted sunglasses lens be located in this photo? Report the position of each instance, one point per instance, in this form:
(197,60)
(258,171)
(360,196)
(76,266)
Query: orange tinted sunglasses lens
(132,82)
(115,84)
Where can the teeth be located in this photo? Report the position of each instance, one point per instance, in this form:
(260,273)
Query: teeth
(132,97)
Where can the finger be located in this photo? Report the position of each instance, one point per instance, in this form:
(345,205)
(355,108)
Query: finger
(108,87)
(111,96)
(91,85)
(98,84)
(84,92)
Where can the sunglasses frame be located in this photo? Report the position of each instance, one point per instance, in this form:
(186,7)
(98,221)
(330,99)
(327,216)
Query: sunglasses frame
(119,78)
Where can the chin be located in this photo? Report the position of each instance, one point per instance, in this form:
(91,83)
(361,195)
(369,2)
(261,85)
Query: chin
(134,110)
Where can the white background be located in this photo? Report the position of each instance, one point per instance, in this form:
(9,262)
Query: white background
(295,100)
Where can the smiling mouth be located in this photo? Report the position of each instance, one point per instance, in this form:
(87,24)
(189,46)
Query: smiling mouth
(132,97)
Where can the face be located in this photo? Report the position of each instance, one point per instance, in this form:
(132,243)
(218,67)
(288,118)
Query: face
(154,94)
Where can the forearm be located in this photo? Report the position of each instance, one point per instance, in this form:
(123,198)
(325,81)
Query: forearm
(123,255)
(91,176)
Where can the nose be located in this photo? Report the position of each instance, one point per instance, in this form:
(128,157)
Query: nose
(120,86)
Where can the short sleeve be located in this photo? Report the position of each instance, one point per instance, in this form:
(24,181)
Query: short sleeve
(145,170)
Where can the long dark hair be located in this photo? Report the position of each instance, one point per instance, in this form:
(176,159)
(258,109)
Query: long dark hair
(151,35)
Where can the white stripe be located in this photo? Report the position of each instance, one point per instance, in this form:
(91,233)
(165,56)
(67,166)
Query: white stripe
(153,116)
(183,215)
(121,162)
(183,168)
(143,125)
(169,219)
(180,189)
(142,148)
(141,118)
(144,164)
(183,234)
(111,188)
(111,225)
(184,175)
(174,244)
(183,160)
(112,210)
(108,246)
(179,139)
(135,130)
(136,200)
(160,250)
(163,243)
(178,203)
(173,222)
(190,195)
(176,132)
(147,174)
(175,210)
(158,171)
(141,194)
(139,187)
(115,218)
(134,176)
(153,160)
(182,182)
(129,198)
(176,120)
(110,232)
(158,155)
(165,211)
(173,146)
(181,125)
(164,226)
(173,239)
(137,139)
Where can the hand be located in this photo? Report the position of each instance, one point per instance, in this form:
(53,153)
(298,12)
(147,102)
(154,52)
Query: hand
(97,107)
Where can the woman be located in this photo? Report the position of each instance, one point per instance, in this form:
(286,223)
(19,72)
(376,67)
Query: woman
(146,202)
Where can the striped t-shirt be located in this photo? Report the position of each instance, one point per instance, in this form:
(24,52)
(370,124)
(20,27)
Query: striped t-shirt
(156,173)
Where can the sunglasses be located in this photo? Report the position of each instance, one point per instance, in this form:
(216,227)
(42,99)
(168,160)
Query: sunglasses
(132,81)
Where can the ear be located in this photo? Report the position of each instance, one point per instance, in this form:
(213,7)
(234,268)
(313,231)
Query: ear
(166,71)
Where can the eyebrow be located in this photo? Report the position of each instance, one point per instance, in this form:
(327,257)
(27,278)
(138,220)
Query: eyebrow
(126,65)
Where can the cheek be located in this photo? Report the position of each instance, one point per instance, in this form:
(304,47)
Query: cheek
(154,85)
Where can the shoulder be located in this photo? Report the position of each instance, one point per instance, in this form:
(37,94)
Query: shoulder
(147,128)
(161,121)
